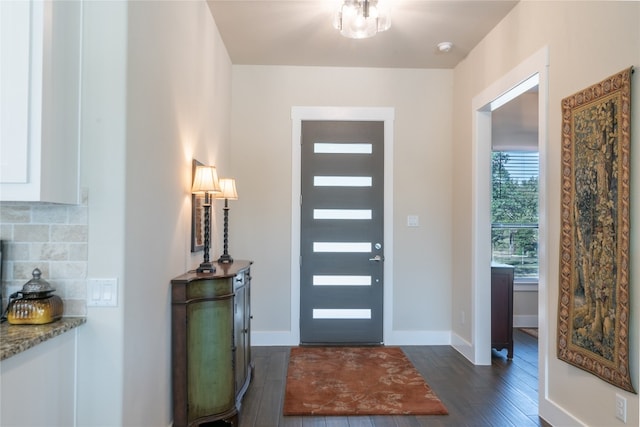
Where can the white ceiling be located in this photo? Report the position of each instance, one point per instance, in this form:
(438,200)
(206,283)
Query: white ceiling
(300,32)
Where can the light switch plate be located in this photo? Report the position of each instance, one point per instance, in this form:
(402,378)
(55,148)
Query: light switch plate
(102,293)
(413,221)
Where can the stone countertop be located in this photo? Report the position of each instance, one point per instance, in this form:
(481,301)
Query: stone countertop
(15,339)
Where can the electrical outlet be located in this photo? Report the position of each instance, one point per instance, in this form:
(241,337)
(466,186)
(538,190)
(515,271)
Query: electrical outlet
(621,408)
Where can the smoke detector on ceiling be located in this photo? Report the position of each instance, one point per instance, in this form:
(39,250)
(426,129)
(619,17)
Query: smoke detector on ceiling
(445,47)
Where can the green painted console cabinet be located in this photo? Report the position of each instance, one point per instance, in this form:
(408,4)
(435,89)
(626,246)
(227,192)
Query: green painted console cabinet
(211,347)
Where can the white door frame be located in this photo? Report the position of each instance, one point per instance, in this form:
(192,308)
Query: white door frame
(298,114)
(500,92)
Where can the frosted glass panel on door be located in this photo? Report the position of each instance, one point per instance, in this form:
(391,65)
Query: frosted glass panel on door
(342,181)
(342,214)
(336,280)
(332,148)
(342,246)
(341,313)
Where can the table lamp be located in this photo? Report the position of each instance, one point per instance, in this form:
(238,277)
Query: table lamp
(205,181)
(227,192)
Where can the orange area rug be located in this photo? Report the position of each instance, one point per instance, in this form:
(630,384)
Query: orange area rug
(356,381)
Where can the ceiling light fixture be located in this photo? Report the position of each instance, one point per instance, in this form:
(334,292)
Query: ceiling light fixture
(361,19)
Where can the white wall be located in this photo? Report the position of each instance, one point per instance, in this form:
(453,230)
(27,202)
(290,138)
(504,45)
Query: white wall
(103,142)
(156,94)
(261,158)
(588,41)
(525,308)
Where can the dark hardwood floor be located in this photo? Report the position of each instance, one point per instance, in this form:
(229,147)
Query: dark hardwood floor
(503,394)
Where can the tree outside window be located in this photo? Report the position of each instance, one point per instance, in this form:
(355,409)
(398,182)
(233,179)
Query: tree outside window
(514,212)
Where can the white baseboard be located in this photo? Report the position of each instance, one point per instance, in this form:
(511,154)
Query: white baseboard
(463,347)
(556,415)
(273,338)
(418,338)
(525,321)
(287,338)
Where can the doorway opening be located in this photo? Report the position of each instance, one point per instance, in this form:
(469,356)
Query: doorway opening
(515,192)
(529,74)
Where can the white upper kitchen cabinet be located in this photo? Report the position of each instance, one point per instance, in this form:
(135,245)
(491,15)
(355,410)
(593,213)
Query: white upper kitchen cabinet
(40,59)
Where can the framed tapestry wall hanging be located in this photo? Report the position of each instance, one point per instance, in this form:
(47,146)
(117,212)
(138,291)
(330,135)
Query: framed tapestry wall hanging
(593,310)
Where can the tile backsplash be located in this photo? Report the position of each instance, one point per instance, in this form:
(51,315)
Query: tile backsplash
(50,237)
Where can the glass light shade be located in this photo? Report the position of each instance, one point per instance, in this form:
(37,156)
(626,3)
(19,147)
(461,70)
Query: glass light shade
(227,189)
(359,19)
(384,17)
(205,180)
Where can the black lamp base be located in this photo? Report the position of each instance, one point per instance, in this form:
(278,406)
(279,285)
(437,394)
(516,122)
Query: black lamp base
(206,267)
(225,259)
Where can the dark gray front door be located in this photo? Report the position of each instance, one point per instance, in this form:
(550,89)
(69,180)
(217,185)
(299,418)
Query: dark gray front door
(341,243)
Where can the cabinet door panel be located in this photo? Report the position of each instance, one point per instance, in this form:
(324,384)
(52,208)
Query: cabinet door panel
(502,309)
(500,293)
(15,40)
(210,365)
(239,328)
(40,80)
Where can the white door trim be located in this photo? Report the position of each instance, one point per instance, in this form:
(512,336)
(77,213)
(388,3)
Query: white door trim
(509,86)
(298,114)
(482,105)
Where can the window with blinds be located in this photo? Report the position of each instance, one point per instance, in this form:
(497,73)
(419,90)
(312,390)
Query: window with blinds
(514,211)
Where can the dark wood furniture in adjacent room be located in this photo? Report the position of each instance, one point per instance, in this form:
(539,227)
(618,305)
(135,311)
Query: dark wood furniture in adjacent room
(502,308)
(211,348)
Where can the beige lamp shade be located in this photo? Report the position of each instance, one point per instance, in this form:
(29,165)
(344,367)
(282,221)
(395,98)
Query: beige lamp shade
(205,180)
(227,189)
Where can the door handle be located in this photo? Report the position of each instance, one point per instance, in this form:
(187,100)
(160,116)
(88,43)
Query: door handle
(376,258)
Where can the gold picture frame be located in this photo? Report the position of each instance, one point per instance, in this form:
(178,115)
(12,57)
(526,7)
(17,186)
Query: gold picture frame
(197,215)
(593,309)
